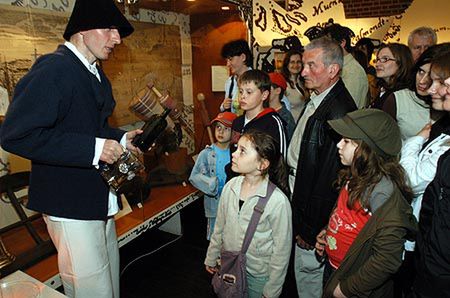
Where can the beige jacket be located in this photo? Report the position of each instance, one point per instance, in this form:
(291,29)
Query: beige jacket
(270,248)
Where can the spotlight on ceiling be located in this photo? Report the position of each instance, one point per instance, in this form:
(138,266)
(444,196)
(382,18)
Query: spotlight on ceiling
(128,1)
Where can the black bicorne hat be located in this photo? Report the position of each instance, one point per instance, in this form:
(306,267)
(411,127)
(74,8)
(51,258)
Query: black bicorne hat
(97,14)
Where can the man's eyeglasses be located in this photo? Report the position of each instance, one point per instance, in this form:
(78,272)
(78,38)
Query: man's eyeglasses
(385,59)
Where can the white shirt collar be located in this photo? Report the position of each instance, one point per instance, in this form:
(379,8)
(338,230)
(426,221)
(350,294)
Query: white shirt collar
(316,99)
(91,67)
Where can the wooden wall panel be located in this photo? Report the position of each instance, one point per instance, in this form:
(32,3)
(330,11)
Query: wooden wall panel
(152,51)
(208,34)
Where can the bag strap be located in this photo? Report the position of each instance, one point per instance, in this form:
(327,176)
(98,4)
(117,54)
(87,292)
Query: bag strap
(230,91)
(258,210)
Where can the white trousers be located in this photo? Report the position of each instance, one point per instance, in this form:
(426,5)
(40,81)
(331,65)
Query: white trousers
(308,273)
(88,257)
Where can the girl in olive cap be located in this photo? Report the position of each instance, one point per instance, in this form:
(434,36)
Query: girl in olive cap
(368,227)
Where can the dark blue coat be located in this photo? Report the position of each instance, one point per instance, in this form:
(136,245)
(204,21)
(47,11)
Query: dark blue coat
(58,110)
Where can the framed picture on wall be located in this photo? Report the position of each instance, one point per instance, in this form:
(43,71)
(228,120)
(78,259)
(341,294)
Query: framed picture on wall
(219,75)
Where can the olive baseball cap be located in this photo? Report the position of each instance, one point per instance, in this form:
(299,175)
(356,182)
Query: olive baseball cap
(375,127)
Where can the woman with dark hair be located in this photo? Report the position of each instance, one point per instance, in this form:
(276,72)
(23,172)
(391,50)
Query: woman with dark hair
(366,46)
(373,91)
(296,91)
(411,109)
(393,65)
(419,157)
(239,59)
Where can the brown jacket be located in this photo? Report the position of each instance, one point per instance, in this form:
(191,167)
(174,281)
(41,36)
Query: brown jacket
(376,254)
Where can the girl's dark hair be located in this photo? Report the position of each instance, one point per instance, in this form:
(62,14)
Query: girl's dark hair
(361,57)
(287,75)
(269,149)
(402,78)
(440,65)
(427,56)
(367,42)
(365,173)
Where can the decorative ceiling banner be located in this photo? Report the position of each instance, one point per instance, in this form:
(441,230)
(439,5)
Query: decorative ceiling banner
(271,21)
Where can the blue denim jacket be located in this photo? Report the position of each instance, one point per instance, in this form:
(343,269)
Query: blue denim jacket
(204,178)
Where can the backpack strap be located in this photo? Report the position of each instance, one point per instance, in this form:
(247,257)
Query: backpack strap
(258,210)
(230,92)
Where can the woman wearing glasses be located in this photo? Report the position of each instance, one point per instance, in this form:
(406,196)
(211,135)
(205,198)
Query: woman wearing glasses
(393,69)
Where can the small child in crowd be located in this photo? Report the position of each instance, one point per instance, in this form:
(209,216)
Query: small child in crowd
(208,174)
(368,228)
(277,89)
(258,160)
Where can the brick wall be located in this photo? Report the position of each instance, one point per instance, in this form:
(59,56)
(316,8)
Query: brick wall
(374,8)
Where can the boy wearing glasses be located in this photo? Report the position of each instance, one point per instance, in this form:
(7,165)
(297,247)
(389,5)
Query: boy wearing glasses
(208,174)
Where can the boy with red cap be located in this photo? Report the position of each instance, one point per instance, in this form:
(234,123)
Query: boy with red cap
(277,89)
(208,174)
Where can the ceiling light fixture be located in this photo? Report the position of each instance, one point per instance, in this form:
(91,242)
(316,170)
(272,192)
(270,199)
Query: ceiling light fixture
(225,8)
(128,1)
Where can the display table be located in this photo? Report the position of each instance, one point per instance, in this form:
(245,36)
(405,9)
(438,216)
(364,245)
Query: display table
(19,277)
(164,203)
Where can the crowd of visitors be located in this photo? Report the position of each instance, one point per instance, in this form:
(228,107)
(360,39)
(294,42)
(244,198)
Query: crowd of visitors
(335,163)
(359,155)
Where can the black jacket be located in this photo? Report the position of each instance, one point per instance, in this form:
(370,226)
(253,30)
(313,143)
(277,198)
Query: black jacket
(268,121)
(433,239)
(314,193)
